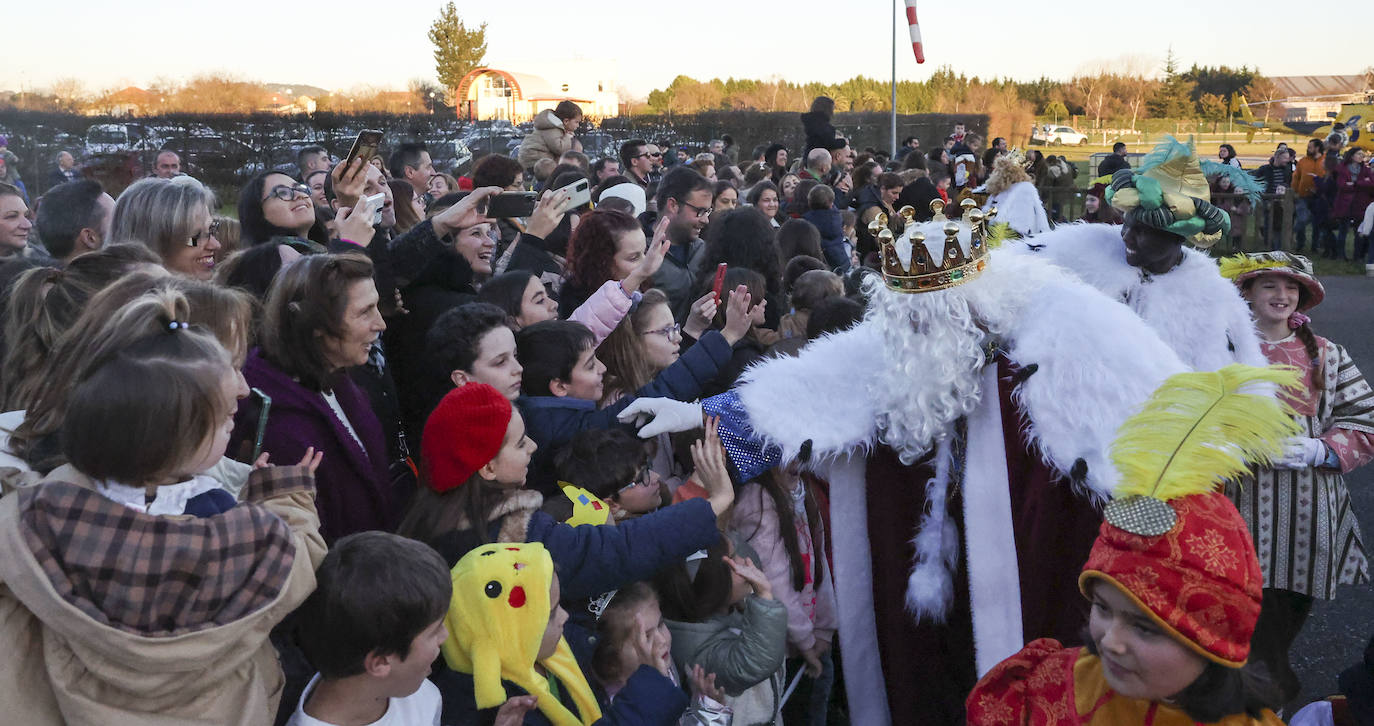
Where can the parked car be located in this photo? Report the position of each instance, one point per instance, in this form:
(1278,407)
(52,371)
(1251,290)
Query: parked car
(115,138)
(209,157)
(492,140)
(451,156)
(598,144)
(1058,136)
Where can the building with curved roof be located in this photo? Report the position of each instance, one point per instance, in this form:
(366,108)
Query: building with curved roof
(492,93)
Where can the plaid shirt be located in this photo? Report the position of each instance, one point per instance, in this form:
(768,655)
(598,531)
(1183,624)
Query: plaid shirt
(162,576)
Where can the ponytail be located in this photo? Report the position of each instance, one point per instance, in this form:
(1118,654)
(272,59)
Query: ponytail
(44,303)
(30,333)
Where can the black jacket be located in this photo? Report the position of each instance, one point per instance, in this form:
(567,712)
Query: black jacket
(820,133)
(1112,164)
(444,284)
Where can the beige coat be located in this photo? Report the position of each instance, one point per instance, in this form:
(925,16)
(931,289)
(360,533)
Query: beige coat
(64,664)
(548,140)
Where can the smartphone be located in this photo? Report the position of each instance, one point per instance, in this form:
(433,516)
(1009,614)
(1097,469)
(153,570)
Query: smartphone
(365,145)
(579,193)
(510,204)
(262,423)
(720,280)
(375,203)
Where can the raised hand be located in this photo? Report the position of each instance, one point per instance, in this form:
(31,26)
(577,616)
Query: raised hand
(704,684)
(548,213)
(702,315)
(349,181)
(738,315)
(465,213)
(752,575)
(653,257)
(708,455)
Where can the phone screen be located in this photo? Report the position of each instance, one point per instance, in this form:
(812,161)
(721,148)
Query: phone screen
(364,146)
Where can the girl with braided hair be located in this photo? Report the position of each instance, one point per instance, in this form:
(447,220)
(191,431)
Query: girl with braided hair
(1299,510)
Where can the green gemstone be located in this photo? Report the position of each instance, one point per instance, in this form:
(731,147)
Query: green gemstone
(956,275)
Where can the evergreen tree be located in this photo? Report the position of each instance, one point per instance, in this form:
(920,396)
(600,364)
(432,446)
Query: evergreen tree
(457,50)
(1174,99)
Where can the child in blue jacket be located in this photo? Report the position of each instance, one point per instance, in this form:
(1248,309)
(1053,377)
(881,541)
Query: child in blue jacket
(827,219)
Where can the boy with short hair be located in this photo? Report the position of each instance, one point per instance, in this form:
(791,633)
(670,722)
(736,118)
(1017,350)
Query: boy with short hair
(373,626)
(562,383)
(822,213)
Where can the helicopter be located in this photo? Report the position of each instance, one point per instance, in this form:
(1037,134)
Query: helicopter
(1354,122)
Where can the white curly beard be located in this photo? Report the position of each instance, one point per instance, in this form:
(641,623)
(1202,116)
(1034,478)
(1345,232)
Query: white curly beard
(933,349)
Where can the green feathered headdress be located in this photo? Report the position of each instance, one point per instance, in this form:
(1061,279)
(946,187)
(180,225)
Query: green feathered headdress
(1170,192)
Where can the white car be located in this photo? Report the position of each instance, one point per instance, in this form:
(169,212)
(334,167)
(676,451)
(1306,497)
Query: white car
(1058,136)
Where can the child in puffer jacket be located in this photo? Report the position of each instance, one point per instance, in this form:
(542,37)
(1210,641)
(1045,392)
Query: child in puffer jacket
(723,618)
(828,220)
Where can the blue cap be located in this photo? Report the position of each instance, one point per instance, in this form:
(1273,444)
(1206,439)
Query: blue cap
(749,453)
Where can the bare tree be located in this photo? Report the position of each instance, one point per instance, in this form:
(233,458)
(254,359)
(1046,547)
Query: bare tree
(70,94)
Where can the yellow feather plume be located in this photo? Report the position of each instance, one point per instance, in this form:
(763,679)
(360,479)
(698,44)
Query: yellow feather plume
(1237,265)
(1201,429)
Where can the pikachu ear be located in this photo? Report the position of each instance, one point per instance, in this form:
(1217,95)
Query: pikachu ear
(486,674)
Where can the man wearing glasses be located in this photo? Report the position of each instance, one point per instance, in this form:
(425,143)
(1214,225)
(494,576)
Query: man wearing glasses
(684,199)
(636,158)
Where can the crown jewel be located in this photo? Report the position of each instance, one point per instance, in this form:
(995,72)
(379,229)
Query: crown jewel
(930,270)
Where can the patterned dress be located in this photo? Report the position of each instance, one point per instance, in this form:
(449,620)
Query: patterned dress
(1304,529)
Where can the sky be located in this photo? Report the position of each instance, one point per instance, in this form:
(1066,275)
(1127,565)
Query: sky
(345,43)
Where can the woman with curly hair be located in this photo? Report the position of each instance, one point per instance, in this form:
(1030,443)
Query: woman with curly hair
(744,238)
(608,245)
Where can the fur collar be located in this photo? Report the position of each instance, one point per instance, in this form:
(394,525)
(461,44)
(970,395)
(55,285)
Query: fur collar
(1192,308)
(1095,363)
(513,512)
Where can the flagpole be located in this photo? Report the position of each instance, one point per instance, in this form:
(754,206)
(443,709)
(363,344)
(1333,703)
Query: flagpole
(894,79)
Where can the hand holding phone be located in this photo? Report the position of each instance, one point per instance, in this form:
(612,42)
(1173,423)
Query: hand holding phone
(579,193)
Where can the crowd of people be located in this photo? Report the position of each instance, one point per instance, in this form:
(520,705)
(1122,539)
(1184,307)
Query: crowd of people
(656,454)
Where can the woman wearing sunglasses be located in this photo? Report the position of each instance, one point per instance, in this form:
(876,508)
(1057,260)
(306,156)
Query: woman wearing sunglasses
(274,208)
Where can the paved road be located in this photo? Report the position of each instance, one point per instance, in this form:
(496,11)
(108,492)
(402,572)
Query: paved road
(1338,630)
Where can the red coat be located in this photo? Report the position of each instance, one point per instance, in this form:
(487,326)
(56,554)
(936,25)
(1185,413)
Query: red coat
(1354,192)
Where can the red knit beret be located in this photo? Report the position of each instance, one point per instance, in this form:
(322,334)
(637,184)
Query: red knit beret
(463,434)
(1200,581)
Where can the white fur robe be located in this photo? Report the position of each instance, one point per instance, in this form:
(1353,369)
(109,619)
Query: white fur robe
(1192,307)
(1019,206)
(1097,363)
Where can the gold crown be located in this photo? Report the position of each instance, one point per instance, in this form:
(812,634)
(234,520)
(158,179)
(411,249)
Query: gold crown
(926,274)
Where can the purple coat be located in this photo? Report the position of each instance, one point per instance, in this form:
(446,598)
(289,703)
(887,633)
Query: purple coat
(1354,192)
(353,488)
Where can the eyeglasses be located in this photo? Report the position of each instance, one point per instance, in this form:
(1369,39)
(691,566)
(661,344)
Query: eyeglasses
(701,212)
(288,193)
(670,332)
(211,231)
(641,480)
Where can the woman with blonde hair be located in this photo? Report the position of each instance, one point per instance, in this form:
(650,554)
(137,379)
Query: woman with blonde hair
(172,218)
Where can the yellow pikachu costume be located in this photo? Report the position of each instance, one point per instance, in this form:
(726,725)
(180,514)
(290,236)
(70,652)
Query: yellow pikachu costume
(496,620)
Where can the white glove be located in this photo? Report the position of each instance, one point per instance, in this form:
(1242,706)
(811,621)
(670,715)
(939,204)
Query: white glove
(1301,452)
(661,415)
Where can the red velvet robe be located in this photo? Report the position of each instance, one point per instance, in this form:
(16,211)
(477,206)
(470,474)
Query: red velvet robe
(929,668)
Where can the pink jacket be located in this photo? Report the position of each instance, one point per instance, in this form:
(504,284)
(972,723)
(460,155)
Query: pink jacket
(811,610)
(604,310)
